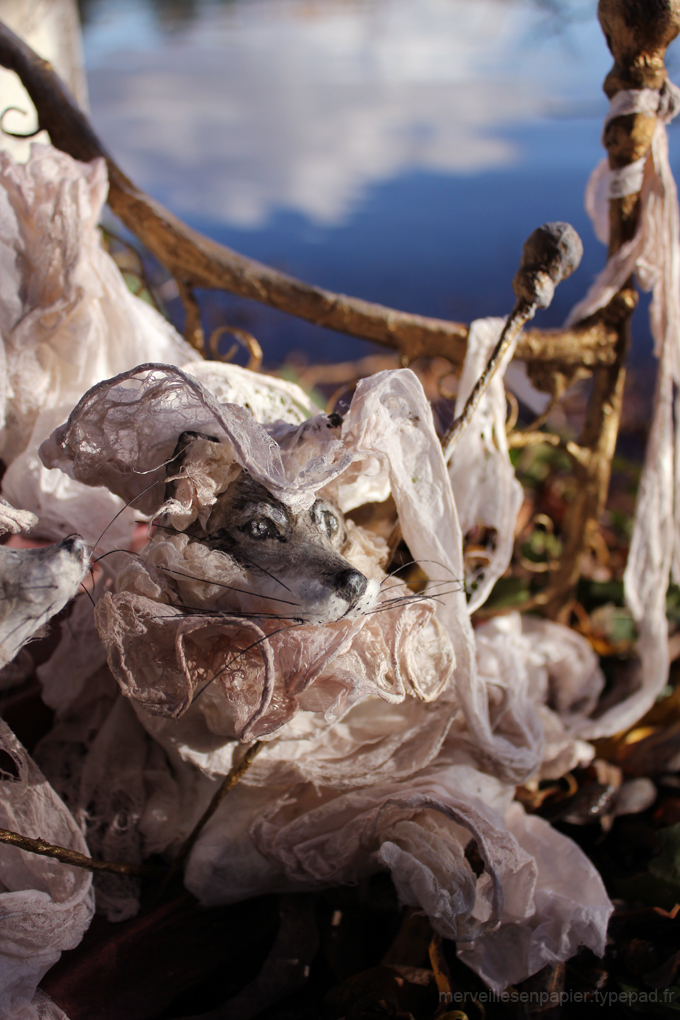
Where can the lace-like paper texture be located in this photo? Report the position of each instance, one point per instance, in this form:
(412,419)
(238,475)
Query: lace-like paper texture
(371,724)
(15,521)
(46,906)
(67,320)
(654,254)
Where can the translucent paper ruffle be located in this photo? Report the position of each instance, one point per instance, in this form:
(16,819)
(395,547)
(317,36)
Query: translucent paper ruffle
(654,254)
(67,320)
(483,479)
(507,917)
(393,740)
(46,906)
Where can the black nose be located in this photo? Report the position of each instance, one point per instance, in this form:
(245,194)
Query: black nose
(351,585)
(73,543)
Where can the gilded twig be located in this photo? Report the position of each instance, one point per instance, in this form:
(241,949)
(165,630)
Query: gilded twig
(520,315)
(228,783)
(193,328)
(244,338)
(72,857)
(549,255)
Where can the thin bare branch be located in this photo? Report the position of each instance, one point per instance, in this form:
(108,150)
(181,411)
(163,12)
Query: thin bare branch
(550,255)
(72,857)
(228,783)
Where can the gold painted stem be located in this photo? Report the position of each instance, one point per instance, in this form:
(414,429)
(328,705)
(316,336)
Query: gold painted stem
(519,316)
(72,857)
(235,773)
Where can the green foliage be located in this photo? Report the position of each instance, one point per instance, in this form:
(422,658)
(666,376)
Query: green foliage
(667,865)
(534,464)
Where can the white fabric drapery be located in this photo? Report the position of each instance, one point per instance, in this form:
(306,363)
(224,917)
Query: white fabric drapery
(654,255)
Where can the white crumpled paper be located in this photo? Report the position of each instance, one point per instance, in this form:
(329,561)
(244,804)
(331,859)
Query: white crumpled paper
(14,521)
(67,320)
(275,838)
(395,772)
(46,906)
(567,907)
(654,254)
(561,675)
(486,490)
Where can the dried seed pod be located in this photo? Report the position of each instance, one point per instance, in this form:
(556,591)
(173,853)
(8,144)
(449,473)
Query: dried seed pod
(549,255)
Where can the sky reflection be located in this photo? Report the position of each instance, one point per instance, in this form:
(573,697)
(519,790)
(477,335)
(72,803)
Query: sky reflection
(262,105)
(400,150)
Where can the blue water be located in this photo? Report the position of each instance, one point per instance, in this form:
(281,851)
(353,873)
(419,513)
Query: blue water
(397,150)
(429,243)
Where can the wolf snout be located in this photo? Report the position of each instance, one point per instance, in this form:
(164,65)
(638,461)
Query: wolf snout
(351,585)
(73,543)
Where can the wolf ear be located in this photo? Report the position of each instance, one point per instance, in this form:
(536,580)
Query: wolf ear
(174,465)
(123,431)
(183,443)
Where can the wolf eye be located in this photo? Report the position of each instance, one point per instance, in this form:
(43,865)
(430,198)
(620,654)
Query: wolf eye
(261,527)
(329,522)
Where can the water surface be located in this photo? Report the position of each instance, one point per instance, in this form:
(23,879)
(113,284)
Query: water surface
(397,150)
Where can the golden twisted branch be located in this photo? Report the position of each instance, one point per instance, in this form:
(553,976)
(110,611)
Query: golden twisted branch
(72,857)
(637,36)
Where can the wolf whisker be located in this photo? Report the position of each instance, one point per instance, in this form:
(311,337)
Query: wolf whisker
(204,580)
(406,601)
(129,503)
(201,611)
(243,591)
(238,656)
(411,563)
(404,584)
(163,527)
(264,570)
(385,609)
(416,595)
(103,556)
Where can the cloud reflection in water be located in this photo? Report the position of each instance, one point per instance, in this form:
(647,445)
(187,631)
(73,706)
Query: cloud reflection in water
(261,105)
